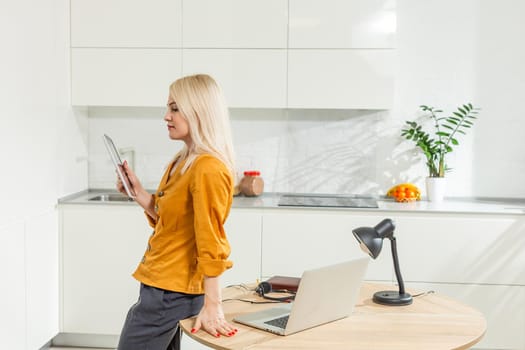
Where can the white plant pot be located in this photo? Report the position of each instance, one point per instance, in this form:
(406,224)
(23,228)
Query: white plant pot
(435,188)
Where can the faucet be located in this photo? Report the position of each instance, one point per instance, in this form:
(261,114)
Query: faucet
(131,151)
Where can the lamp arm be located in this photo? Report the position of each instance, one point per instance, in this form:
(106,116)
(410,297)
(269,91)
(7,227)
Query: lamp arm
(393,245)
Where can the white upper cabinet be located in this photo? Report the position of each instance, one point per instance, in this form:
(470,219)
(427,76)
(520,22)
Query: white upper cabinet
(265,54)
(249,77)
(342,23)
(235,24)
(341,79)
(129,23)
(123,77)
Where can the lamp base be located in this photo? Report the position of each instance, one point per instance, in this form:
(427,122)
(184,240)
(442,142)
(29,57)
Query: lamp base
(390,297)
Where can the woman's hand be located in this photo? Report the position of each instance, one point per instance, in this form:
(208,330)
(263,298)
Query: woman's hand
(211,319)
(136,186)
(141,196)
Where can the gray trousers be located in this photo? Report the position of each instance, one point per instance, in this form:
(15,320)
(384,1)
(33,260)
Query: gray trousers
(152,322)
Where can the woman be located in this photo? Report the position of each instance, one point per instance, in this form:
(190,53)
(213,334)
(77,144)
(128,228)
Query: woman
(188,248)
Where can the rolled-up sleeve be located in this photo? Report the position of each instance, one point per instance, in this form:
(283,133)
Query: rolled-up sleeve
(212,191)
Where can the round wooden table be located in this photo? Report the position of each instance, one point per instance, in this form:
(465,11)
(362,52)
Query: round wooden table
(432,321)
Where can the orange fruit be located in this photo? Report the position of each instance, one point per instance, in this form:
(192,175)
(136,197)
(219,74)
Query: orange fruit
(400,195)
(406,192)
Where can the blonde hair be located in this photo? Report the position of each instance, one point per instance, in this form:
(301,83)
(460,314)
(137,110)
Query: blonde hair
(200,100)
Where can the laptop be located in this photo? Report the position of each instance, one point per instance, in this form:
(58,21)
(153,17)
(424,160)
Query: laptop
(117,162)
(324,295)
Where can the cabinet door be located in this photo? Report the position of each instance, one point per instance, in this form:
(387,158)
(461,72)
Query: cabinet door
(296,240)
(13,292)
(42,278)
(98,289)
(342,23)
(100,250)
(243,229)
(235,24)
(355,79)
(462,248)
(249,78)
(131,23)
(123,77)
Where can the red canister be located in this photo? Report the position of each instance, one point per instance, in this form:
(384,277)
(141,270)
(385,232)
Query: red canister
(252,183)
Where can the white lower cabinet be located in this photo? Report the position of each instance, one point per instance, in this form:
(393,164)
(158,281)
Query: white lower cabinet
(243,229)
(41,235)
(458,248)
(28,296)
(101,247)
(473,258)
(296,240)
(12,294)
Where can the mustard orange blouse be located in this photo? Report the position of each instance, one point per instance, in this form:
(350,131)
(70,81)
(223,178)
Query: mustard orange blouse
(189,241)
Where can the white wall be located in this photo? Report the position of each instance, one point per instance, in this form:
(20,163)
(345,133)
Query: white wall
(43,155)
(449,53)
(500,160)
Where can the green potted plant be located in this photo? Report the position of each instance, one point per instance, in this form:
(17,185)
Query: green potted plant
(436,144)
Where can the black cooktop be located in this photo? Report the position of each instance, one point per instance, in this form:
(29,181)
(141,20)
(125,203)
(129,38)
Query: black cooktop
(326,201)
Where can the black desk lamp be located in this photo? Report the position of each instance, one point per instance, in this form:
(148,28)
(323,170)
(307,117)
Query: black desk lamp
(371,241)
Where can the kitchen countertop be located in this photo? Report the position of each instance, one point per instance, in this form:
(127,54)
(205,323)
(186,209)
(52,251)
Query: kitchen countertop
(474,205)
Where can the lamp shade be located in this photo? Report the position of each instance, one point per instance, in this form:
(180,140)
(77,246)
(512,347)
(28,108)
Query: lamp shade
(371,241)
(371,238)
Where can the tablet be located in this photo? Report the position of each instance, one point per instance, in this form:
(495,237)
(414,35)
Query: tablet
(115,158)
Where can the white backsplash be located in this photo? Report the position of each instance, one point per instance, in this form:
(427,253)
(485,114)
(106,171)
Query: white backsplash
(302,151)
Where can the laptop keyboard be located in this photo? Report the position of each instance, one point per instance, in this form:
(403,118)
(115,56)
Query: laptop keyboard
(279,322)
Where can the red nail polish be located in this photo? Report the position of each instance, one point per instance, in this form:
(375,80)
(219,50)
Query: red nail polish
(193,330)
(218,335)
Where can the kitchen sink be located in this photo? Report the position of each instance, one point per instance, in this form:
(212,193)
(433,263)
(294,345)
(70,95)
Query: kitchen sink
(111,197)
